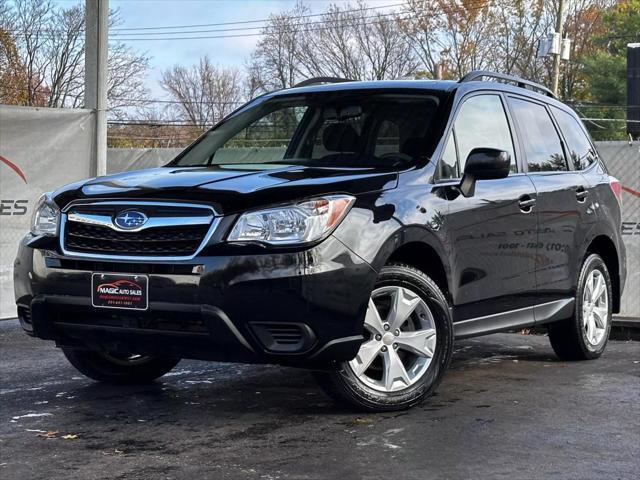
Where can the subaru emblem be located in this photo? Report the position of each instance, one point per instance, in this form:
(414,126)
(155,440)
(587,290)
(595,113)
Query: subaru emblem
(130,219)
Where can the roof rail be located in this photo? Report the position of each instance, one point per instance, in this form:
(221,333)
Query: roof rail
(318,80)
(501,77)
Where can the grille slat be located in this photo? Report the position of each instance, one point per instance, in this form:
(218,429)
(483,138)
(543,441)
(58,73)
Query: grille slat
(92,232)
(175,240)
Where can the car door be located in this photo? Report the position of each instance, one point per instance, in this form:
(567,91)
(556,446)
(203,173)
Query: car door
(565,213)
(492,234)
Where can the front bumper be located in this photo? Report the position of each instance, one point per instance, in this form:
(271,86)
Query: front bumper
(302,308)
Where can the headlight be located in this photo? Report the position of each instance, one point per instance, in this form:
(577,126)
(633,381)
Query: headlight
(44,220)
(290,224)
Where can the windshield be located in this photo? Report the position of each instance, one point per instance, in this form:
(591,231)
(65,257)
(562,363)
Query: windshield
(344,129)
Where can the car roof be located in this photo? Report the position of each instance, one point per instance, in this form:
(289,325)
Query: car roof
(440,85)
(445,86)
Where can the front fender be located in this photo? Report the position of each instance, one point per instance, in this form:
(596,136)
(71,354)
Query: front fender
(379,224)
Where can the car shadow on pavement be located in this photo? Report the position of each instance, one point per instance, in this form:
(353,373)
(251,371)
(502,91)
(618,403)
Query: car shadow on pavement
(194,390)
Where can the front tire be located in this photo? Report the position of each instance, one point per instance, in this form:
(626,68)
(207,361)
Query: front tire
(407,346)
(585,335)
(119,369)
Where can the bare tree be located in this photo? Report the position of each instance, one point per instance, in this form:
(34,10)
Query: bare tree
(274,63)
(50,46)
(349,42)
(422,32)
(450,37)
(205,92)
(65,52)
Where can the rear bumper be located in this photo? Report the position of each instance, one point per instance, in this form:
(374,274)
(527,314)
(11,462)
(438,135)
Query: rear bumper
(298,308)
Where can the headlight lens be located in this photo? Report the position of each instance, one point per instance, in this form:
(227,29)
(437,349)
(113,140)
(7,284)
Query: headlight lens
(303,222)
(44,220)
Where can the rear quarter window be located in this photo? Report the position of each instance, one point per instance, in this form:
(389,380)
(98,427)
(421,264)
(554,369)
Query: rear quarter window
(540,140)
(581,152)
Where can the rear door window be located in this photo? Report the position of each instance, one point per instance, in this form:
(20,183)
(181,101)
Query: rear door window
(540,139)
(581,152)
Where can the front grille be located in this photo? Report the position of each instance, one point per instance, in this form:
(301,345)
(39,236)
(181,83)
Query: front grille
(179,238)
(154,241)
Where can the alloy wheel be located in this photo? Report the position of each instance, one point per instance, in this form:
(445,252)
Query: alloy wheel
(595,307)
(400,340)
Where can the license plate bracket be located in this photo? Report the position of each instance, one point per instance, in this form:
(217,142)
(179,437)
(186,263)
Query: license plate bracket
(120,291)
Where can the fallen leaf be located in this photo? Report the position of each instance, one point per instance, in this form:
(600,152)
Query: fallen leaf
(362,421)
(49,434)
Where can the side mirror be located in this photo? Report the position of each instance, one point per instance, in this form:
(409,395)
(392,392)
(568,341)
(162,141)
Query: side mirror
(484,164)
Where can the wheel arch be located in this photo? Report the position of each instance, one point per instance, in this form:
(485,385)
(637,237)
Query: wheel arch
(421,248)
(605,247)
(426,259)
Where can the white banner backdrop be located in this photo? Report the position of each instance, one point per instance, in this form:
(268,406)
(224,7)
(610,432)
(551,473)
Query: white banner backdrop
(40,150)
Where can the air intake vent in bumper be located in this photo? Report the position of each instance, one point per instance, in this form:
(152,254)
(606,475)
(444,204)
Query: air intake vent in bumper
(284,337)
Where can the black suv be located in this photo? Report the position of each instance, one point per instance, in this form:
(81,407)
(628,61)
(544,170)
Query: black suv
(353,228)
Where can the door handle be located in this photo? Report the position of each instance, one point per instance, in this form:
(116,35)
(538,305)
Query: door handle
(526,203)
(581,194)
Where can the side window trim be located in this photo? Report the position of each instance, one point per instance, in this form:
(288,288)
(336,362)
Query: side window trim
(563,140)
(456,149)
(525,164)
(515,136)
(451,131)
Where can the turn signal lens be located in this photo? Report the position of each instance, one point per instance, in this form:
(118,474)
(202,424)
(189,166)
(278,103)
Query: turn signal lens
(303,222)
(44,220)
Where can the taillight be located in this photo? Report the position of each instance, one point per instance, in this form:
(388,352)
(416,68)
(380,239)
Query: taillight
(616,188)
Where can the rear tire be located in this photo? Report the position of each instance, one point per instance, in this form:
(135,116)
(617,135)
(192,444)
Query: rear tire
(404,355)
(119,369)
(585,335)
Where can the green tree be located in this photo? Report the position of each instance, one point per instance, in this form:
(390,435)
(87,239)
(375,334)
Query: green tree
(605,69)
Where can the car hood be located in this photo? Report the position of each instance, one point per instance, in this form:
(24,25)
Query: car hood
(230,188)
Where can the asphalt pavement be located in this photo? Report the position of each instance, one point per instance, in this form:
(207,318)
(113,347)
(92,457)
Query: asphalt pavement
(507,409)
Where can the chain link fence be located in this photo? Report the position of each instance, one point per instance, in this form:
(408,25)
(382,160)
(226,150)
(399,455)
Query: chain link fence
(623,162)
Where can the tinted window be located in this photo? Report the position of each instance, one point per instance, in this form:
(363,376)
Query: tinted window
(352,129)
(266,139)
(579,147)
(388,138)
(540,139)
(334,135)
(482,123)
(448,166)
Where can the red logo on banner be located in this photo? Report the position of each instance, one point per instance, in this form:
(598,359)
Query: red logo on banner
(631,191)
(14,167)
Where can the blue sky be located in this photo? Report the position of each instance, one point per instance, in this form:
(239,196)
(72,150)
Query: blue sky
(225,51)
